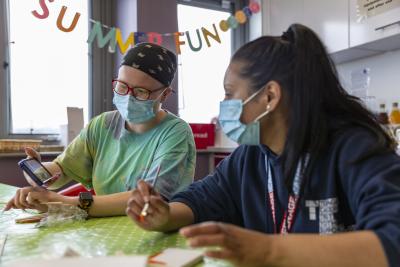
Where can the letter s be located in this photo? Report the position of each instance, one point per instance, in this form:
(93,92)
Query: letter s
(45,14)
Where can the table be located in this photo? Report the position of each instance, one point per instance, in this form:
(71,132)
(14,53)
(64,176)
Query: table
(213,155)
(94,237)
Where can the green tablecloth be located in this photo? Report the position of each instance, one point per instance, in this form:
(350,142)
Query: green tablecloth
(103,236)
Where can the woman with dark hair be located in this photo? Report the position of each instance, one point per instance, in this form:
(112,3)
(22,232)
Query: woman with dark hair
(313,161)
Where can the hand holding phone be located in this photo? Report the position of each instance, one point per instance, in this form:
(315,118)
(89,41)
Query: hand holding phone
(35,172)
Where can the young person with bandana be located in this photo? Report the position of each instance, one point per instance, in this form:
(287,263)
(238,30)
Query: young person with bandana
(313,162)
(118,148)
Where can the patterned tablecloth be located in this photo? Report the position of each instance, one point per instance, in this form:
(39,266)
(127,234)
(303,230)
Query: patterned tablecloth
(94,237)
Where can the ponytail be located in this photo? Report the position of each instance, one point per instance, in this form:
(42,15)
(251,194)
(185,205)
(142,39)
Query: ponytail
(318,104)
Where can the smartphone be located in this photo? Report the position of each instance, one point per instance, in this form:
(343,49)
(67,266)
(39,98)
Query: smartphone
(35,170)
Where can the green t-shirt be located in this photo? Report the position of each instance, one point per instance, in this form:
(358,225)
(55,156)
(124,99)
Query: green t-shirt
(110,159)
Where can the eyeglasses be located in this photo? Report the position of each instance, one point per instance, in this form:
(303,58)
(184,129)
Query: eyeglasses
(142,94)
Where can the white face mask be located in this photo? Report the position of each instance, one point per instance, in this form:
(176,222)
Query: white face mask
(229,119)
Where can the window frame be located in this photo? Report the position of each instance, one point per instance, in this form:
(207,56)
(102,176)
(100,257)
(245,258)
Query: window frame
(241,34)
(5,86)
(101,63)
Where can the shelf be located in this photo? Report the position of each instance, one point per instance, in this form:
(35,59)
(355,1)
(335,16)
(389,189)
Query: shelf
(213,149)
(23,155)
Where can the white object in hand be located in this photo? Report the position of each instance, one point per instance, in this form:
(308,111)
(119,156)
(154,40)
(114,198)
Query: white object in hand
(144,210)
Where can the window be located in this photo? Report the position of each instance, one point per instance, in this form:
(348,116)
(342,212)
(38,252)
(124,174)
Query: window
(201,73)
(48,68)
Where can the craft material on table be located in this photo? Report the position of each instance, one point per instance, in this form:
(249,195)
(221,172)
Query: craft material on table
(96,237)
(177,257)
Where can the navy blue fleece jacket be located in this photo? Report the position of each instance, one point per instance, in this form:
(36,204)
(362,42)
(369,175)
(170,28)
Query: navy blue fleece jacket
(341,196)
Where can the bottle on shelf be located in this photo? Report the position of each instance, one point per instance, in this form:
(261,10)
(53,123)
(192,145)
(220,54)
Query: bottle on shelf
(394,117)
(383,117)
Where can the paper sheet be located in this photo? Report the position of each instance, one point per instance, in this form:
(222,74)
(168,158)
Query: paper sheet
(120,261)
(177,257)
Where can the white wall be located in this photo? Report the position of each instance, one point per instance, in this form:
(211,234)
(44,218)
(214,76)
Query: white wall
(385,75)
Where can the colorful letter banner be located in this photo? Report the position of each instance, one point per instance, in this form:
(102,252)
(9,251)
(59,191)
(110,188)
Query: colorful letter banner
(197,40)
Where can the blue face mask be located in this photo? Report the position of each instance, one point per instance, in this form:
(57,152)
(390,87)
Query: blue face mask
(133,110)
(229,119)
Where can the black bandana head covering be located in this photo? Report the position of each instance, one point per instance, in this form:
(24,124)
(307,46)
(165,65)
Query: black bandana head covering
(155,60)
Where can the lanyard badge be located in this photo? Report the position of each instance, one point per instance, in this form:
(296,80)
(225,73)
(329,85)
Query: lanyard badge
(290,214)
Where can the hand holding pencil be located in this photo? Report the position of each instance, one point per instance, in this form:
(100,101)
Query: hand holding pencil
(144,211)
(146,207)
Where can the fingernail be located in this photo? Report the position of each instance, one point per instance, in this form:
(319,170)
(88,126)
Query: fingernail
(191,242)
(183,231)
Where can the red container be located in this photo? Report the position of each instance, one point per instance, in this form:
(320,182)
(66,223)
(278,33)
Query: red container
(204,134)
(74,190)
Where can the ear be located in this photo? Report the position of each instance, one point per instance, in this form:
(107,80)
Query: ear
(272,95)
(165,94)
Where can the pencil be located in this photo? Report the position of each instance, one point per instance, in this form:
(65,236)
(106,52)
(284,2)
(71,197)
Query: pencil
(153,184)
(2,245)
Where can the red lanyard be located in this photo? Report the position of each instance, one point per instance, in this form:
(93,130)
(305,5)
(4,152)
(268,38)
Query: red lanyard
(290,214)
